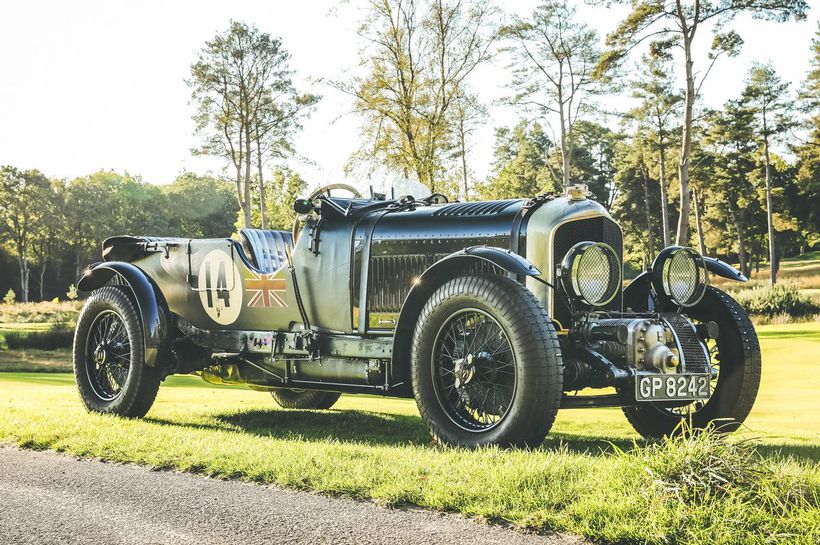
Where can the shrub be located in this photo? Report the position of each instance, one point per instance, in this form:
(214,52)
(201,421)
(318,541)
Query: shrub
(777,300)
(41,312)
(58,336)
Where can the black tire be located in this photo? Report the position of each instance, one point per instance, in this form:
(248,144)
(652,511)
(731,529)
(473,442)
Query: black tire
(305,399)
(118,381)
(735,390)
(531,359)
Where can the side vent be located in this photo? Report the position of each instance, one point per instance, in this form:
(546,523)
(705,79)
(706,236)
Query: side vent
(481,208)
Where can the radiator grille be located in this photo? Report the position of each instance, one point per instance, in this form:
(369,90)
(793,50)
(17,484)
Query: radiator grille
(598,229)
(694,355)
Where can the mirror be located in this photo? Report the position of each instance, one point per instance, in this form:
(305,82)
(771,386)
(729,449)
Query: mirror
(303,206)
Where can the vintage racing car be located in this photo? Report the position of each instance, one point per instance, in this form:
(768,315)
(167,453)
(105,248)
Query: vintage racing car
(493,315)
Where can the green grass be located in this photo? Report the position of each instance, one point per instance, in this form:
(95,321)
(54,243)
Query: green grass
(36,361)
(589,478)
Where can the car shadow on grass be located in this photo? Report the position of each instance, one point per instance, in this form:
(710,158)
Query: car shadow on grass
(364,427)
(386,429)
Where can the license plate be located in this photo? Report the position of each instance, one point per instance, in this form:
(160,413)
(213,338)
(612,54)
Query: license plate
(671,387)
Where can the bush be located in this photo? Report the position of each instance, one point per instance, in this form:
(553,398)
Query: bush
(58,336)
(777,300)
(40,312)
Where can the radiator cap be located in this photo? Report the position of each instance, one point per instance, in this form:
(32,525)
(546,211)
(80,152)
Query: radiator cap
(577,192)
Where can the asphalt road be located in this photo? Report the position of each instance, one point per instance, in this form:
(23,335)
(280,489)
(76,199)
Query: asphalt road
(48,498)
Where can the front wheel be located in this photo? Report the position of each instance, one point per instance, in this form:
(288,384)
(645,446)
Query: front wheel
(486,364)
(109,364)
(735,354)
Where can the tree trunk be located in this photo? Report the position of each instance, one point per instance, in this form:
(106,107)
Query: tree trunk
(664,200)
(463,159)
(262,211)
(564,143)
(247,188)
(42,278)
(650,237)
(772,249)
(682,236)
(741,243)
(24,276)
(699,224)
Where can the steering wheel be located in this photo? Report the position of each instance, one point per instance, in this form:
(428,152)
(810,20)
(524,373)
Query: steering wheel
(314,198)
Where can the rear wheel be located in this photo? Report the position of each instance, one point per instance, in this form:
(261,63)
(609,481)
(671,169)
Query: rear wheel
(109,365)
(486,364)
(305,399)
(735,354)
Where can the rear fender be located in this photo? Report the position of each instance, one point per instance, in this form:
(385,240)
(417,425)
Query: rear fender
(455,264)
(150,303)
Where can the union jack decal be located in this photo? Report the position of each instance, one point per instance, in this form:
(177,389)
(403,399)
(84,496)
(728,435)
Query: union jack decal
(265,291)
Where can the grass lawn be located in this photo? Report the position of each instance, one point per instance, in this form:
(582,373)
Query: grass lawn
(588,478)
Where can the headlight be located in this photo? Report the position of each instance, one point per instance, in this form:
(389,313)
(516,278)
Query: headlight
(591,271)
(679,274)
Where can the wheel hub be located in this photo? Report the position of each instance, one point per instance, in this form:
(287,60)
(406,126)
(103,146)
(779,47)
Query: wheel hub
(100,355)
(464,370)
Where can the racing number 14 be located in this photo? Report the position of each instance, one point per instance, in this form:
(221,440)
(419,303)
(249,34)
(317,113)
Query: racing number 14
(221,286)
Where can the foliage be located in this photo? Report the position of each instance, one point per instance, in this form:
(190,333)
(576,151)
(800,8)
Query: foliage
(72,292)
(660,101)
(58,336)
(201,206)
(41,312)
(553,59)
(416,63)
(671,24)
(281,191)
(9,297)
(247,106)
(22,215)
(775,300)
(520,168)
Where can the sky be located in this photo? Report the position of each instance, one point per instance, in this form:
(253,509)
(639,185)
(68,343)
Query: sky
(91,85)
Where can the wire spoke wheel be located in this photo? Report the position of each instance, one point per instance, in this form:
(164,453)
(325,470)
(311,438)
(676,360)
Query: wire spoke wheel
(474,370)
(735,357)
(107,355)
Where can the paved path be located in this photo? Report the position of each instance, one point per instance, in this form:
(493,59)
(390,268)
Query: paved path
(48,498)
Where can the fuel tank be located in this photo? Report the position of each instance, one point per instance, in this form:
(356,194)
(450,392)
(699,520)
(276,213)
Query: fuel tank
(403,244)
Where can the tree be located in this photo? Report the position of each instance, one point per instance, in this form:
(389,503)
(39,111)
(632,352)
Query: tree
(46,241)
(731,143)
(594,153)
(807,177)
(669,24)
(284,187)
(418,60)
(467,114)
(520,168)
(660,102)
(637,200)
(553,60)
(766,95)
(201,206)
(22,195)
(245,103)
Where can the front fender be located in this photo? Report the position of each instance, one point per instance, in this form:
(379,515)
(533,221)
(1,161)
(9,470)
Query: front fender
(723,269)
(638,295)
(150,303)
(434,277)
